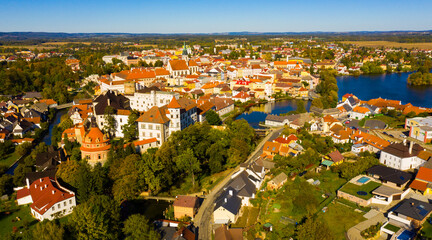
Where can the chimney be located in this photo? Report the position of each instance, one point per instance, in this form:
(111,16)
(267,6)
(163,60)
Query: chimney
(41,188)
(404,142)
(28,183)
(109,102)
(230,192)
(225,200)
(410,147)
(53,191)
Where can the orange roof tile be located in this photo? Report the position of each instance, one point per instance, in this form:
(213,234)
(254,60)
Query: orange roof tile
(419,185)
(174,103)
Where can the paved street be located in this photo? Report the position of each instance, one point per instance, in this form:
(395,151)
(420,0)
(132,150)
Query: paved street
(203,219)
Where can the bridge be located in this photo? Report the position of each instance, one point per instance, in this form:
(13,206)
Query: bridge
(168,199)
(63,106)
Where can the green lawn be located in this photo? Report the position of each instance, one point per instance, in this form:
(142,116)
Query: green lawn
(8,219)
(249,217)
(426,230)
(11,158)
(390,121)
(392,228)
(340,218)
(352,189)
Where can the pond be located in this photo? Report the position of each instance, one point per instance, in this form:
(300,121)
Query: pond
(258,113)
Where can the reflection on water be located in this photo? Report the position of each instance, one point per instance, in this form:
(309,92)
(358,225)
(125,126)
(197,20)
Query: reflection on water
(258,113)
(390,86)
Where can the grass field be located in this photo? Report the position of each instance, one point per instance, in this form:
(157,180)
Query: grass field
(340,218)
(144,45)
(11,158)
(9,218)
(426,230)
(352,189)
(31,47)
(390,44)
(64,43)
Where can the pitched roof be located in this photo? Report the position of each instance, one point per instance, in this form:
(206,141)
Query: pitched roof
(414,208)
(390,174)
(185,201)
(281,177)
(336,156)
(419,185)
(174,103)
(178,65)
(401,150)
(424,174)
(45,192)
(154,115)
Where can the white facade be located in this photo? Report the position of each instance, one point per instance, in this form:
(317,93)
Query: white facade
(153,130)
(400,163)
(145,101)
(223,216)
(62,208)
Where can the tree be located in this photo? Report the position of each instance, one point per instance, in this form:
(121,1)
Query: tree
(187,162)
(314,229)
(6,184)
(216,157)
(301,106)
(109,121)
(137,227)
(47,230)
(130,129)
(213,118)
(98,218)
(23,148)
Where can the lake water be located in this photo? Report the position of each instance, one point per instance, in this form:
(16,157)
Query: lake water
(390,86)
(257,114)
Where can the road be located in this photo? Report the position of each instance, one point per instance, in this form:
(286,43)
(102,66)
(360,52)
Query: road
(203,219)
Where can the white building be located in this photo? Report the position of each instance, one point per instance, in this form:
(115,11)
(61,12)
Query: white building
(143,101)
(48,199)
(402,156)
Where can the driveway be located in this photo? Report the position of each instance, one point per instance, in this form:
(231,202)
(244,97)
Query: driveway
(203,219)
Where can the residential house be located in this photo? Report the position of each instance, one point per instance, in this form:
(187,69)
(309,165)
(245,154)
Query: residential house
(225,233)
(389,176)
(277,182)
(332,159)
(47,199)
(423,181)
(410,212)
(227,208)
(420,128)
(185,206)
(402,156)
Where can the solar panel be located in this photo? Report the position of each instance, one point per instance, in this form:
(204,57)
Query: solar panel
(423,212)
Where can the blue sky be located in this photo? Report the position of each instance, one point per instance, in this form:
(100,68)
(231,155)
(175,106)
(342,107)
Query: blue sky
(168,16)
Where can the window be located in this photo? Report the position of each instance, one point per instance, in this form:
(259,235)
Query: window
(99,156)
(150,127)
(64,204)
(70,201)
(58,205)
(157,127)
(151,134)
(158,135)
(53,208)
(143,126)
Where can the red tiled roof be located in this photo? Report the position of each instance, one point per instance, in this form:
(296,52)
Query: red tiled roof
(185,201)
(419,185)
(424,174)
(45,192)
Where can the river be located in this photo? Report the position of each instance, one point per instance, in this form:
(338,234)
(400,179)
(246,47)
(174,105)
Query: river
(46,139)
(390,86)
(258,113)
